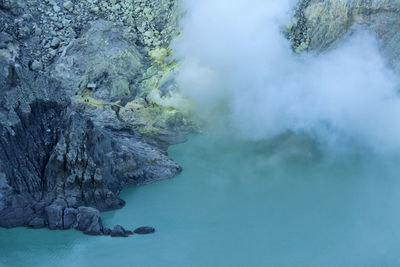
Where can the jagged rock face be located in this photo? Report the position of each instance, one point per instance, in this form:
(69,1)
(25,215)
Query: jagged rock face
(319,24)
(48,26)
(55,161)
(116,84)
(87,107)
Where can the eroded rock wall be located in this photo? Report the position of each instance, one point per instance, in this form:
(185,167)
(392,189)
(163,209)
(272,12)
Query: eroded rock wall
(319,24)
(88,107)
(54,158)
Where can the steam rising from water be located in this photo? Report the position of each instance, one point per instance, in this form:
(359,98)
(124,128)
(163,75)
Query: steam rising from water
(233,53)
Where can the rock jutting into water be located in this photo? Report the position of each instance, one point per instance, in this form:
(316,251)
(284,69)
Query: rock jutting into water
(144,230)
(89,102)
(88,107)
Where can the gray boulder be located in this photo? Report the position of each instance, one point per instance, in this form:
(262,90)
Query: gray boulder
(89,221)
(119,231)
(54,214)
(60,165)
(101,56)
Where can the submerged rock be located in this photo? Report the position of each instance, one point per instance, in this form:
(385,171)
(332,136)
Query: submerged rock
(144,230)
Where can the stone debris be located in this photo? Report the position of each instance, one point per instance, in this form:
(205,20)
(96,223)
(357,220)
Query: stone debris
(79,121)
(54,24)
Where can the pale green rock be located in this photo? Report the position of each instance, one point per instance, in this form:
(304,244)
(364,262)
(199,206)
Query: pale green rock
(159,53)
(320,24)
(55,42)
(68,5)
(101,56)
(140,88)
(56,8)
(36,65)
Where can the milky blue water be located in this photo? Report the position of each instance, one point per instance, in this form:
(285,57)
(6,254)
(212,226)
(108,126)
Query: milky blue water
(240,203)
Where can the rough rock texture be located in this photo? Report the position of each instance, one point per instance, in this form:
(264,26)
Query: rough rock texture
(113,69)
(55,162)
(110,76)
(119,231)
(320,24)
(88,107)
(48,26)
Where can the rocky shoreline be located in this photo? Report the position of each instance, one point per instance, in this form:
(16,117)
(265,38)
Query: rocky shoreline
(89,103)
(89,106)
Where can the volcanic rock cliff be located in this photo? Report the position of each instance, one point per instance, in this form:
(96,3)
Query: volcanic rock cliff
(88,106)
(321,24)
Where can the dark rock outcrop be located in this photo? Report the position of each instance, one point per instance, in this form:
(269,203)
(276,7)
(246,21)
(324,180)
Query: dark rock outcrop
(88,106)
(119,231)
(89,221)
(144,230)
(58,166)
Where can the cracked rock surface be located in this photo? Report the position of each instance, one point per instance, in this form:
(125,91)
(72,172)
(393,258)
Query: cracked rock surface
(58,169)
(320,24)
(88,107)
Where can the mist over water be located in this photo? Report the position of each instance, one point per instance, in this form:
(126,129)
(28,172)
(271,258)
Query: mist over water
(234,57)
(235,204)
(253,193)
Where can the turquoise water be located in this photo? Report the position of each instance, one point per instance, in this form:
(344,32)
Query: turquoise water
(240,204)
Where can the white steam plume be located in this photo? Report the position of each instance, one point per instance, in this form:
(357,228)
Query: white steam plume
(234,53)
